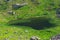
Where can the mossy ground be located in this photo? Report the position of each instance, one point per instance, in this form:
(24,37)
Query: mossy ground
(31,10)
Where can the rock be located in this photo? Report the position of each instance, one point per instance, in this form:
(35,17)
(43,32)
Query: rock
(57,37)
(11,12)
(34,38)
(17,6)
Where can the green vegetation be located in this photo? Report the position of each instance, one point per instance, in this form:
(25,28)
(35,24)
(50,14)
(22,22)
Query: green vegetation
(37,18)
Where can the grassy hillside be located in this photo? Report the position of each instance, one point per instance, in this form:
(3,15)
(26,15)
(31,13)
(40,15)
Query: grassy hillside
(27,17)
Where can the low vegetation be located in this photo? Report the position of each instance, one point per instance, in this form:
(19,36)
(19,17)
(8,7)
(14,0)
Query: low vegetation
(39,18)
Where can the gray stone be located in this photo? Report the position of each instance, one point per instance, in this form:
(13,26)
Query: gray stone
(57,37)
(11,12)
(34,38)
(17,6)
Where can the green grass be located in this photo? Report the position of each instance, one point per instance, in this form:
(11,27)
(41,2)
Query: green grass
(31,10)
(17,32)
